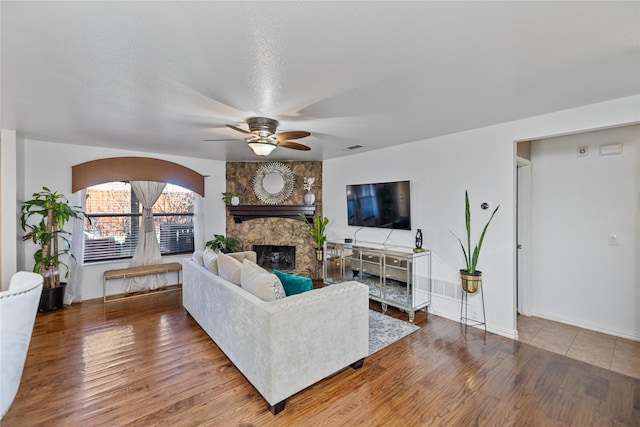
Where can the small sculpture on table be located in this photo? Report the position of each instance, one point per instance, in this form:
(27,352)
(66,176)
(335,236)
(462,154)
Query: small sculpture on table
(418,247)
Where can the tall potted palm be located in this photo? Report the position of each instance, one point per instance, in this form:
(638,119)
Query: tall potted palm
(471,278)
(317,231)
(51,211)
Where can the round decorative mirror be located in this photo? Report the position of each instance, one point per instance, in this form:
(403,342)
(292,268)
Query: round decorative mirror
(273,183)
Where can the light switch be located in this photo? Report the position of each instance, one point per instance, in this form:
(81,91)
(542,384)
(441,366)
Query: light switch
(613,240)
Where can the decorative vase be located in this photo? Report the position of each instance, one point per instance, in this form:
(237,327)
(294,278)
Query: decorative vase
(319,254)
(309,198)
(471,281)
(235,201)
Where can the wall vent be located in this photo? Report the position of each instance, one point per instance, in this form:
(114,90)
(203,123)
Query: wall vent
(446,289)
(353,147)
(438,287)
(450,290)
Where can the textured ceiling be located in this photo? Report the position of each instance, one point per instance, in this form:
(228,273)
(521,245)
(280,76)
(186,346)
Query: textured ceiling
(163,76)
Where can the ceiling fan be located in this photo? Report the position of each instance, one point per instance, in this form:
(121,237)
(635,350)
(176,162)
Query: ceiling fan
(263,138)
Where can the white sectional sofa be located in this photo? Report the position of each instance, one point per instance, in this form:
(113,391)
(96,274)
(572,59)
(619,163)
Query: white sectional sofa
(281,346)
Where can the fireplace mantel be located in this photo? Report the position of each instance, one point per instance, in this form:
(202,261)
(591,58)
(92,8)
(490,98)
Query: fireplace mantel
(246,212)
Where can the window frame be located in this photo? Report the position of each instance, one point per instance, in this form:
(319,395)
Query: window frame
(133,230)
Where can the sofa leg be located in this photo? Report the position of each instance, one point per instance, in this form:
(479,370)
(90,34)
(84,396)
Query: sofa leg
(278,407)
(358,364)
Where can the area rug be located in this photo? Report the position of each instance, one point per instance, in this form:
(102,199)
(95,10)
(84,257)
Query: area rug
(393,290)
(385,330)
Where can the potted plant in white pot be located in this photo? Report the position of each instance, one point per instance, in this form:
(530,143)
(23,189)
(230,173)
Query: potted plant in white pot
(231,198)
(51,211)
(471,278)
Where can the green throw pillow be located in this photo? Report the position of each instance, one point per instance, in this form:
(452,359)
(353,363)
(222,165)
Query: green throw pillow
(294,284)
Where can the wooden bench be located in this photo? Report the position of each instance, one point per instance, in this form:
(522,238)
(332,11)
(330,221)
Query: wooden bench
(125,273)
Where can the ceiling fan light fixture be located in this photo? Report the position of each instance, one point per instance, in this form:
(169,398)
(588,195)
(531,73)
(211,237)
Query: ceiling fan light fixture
(262,149)
(263,139)
(262,126)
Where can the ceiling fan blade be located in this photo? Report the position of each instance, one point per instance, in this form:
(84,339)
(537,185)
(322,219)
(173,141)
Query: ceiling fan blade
(296,134)
(293,145)
(223,139)
(239,129)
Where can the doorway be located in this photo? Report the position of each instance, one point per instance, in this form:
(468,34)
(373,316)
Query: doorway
(581,202)
(523,236)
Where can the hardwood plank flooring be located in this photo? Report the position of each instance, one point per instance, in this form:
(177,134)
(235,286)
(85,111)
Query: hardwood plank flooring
(145,362)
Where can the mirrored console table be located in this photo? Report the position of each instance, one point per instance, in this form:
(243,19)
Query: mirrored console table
(395,275)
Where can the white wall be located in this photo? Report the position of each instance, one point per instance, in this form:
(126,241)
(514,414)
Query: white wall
(578,202)
(441,169)
(8,207)
(49,164)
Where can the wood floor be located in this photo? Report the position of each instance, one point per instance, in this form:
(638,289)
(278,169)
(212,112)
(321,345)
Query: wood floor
(145,362)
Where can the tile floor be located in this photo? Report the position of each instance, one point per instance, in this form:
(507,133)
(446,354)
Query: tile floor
(607,351)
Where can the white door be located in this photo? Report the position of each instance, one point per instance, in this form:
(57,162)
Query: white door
(523,254)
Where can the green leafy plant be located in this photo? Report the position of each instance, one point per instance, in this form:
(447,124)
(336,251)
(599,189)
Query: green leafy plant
(471,258)
(53,211)
(317,229)
(222,243)
(228,195)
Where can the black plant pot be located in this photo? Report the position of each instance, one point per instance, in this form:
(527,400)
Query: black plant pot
(52,298)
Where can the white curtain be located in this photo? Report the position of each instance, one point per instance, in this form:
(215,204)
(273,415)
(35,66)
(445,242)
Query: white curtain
(147,251)
(72,291)
(198,222)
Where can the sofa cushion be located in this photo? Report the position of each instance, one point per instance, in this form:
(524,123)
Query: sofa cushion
(294,284)
(229,268)
(198,256)
(210,260)
(241,256)
(260,282)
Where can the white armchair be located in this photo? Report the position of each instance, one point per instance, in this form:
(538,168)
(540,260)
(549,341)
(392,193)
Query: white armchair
(18,308)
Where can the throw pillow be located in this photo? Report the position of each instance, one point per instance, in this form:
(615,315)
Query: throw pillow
(260,282)
(294,284)
(198,256)
(229,268)
(210,261)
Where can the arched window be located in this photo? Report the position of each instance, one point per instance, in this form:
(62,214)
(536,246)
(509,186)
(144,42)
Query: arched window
(113,213)
(112,221)
(113,169)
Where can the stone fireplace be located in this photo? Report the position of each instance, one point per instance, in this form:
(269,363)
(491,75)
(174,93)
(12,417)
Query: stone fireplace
(275,231)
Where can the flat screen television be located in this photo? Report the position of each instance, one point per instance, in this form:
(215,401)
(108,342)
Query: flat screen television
(380,205)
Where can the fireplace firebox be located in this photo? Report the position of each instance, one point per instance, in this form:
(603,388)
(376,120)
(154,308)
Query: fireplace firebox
(276,257)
